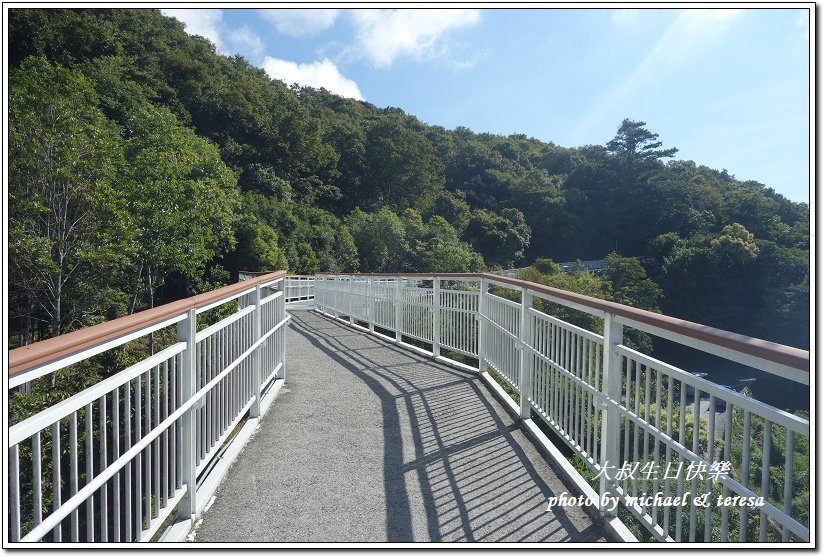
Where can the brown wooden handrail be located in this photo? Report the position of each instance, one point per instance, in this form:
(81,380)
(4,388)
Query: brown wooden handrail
(771,351)
(46,351)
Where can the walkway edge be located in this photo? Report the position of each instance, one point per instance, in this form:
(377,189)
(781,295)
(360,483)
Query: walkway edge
(179,531)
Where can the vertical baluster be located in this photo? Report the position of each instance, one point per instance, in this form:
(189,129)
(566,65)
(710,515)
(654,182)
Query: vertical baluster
(682,407)
(725,510)
(656,458)
(586,413)
(540,391)
(56,479)
(745,476)
(696,426)
(637,430)
(115,455)
(202,378)
(578,410)
(223,417)
(765,479)
(89,473)
(75,532)
(645,432)
(138,460)
(564,380)
(710,457)
(165,435)
(156,442)
(594,402)
(147,493)
(590,403)
(627,423)
(175,404)
(104,463)
(37,478)
(225,355)
(788,482)
(208,372)
(670,395)
(549,382)
(555,387)
(127,474)
(14,503)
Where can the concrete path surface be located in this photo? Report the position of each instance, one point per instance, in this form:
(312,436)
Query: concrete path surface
(371,443)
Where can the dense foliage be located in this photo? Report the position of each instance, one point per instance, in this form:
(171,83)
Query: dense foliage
(144,166)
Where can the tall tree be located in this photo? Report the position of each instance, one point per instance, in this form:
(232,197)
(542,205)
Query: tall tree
(182,198)
(637,149)
(65,219)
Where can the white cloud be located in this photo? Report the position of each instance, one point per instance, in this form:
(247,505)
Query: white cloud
(625,16)
(707,20)
(244,39)
(384,35)
(300,23)
(317,74)
(200,22)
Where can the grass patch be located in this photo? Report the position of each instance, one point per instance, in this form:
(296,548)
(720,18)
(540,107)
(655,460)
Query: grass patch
(504,385)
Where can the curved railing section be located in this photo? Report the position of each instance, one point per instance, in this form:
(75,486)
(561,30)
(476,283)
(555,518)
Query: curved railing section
(297,288)
(114,461)
(677,453)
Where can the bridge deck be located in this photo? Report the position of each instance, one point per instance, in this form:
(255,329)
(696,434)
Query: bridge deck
(370,443)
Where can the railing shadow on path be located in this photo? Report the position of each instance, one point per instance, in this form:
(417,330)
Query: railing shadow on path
(476,481)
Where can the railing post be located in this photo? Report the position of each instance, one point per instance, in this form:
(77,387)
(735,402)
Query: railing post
(436,317)
(337,287)
(398,309)
(370,303)
(254,411)
(281,336)
(610,419)
(526,353)
(481,325)
(186,330)
(351,289)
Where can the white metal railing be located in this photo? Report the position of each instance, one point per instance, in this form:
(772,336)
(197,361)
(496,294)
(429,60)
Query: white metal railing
(299,288)
(114,461)
(609,403)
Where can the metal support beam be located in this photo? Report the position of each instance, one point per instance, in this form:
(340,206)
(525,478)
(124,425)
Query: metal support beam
(186,330)
(610,418)
(525,354)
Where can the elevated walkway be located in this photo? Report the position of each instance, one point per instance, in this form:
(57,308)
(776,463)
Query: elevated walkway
(371,443)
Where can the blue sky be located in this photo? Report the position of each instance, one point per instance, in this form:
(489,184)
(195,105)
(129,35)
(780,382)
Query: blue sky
(729,88)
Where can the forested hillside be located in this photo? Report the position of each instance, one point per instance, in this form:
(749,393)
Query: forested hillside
(144,167)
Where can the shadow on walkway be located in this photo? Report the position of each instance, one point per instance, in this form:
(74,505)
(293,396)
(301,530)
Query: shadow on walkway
(478,477)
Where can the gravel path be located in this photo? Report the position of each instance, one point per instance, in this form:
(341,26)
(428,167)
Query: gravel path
(370,443)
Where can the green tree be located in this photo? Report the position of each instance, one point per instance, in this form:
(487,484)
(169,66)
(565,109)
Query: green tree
(380,239)
(500,238)
(302,259)
(402,170)
(66,230)
(182,199)
(257,247)
(630,284)
(735,243)
(637,149)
